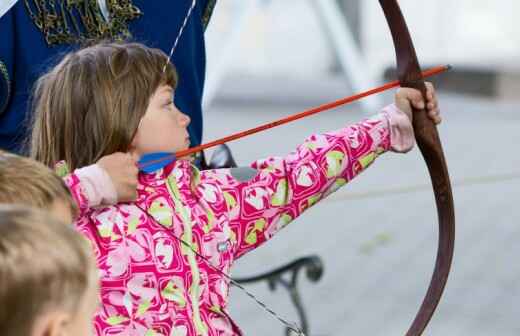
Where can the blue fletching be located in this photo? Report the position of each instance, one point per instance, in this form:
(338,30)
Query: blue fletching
(154,161)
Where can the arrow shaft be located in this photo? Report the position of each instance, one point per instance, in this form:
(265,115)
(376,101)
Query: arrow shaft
(325,107)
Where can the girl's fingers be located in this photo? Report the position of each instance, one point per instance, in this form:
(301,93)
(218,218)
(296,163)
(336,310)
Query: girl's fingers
(430,93)
(435,116)
(433,106)
(430,90)
(418,104)
(410,97)
(416,99)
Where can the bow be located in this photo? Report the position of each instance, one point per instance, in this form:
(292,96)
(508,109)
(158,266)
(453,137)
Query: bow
(427,137)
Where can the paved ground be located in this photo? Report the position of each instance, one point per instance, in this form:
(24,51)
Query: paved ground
(377,236)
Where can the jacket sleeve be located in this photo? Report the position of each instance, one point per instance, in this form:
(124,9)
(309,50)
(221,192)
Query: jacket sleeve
(78,193)
(282,188)
(91,186)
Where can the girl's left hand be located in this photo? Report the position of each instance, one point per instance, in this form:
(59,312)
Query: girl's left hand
(405,98)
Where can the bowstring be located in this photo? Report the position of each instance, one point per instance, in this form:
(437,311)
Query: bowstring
(290,325)
(181,30)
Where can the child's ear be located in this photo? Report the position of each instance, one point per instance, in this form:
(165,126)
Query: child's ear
(51,324)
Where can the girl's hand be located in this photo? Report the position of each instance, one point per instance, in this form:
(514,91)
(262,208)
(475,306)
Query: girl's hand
(405,98)
(122,169)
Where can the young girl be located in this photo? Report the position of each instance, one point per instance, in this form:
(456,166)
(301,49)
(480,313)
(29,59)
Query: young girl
(164,257)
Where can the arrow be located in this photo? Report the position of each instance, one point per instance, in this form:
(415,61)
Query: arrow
(153,161)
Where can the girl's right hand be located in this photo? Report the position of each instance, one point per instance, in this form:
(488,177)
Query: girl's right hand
(122,169)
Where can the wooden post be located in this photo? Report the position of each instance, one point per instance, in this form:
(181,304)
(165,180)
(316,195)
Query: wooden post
(352,11)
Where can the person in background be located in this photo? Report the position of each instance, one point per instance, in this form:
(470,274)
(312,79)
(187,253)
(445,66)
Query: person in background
(35,33)
(49,280)
(110,180)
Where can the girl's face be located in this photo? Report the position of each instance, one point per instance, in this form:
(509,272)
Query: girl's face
(163,127)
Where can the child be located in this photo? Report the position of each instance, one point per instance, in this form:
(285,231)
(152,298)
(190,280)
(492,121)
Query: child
(49,284)
(165,257)
(27,182)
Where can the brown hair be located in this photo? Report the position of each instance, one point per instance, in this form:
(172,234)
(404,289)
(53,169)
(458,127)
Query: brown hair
(25,181)
(44,265)
(91,103)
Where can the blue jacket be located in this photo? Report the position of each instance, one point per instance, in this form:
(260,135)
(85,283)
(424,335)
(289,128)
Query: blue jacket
(25,55)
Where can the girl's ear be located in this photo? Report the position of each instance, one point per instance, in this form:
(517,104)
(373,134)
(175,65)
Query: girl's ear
(51,324)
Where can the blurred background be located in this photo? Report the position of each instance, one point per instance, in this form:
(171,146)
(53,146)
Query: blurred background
(377,237)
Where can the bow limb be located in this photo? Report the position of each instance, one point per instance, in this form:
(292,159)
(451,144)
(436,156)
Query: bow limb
(429,143)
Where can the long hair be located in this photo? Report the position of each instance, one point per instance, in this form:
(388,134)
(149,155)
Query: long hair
(91,103)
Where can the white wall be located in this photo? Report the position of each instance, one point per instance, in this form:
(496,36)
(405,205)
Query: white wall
(285,38)
(464,32)
(281,38)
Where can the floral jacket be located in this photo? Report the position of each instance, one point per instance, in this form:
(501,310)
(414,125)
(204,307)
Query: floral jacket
(153,278)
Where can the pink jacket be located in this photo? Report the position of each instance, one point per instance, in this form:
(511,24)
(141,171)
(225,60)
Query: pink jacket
(152,284)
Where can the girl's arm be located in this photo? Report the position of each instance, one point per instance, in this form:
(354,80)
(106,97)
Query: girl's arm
(91,186)
(284,187)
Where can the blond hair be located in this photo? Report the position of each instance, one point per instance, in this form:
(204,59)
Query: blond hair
(25,181)
(91,103)
(44,266)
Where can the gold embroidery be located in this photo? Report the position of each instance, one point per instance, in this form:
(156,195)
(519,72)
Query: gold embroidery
(208,12)
(5,75)
(77,21)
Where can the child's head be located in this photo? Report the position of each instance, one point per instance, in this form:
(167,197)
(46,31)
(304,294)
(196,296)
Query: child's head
(48,277)
(25,181)
(107,98)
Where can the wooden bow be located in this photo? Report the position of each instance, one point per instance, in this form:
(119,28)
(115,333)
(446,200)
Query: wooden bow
(427,137)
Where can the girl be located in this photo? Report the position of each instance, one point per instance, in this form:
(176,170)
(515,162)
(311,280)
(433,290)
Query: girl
(165,258)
